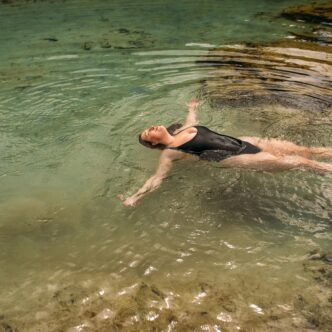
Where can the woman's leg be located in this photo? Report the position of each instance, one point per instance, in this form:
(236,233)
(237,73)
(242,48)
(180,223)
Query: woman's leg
(321,152)
(265,161)
(282,148)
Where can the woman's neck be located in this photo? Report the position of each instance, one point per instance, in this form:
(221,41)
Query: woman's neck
(168,140)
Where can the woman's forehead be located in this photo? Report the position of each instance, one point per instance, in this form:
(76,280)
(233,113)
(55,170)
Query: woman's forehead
(143,134)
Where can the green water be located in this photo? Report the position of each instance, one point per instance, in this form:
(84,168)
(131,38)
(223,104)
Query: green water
(210,250)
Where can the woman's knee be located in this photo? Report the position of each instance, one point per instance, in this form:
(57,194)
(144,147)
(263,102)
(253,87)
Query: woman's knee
(297,162)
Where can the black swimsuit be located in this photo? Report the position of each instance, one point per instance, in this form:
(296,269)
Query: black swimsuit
(209,145)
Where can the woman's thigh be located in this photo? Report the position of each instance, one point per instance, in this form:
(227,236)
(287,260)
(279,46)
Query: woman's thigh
(278,147)
(260,161)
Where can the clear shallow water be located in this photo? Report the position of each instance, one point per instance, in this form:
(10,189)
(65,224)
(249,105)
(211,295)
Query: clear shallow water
(211,249)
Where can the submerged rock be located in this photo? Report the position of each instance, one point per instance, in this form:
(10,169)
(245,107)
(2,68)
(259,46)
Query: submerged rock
(318,315)
(5,327)
(69,296)
(311,13)
(87,46)
(317,36)
(148,307)
(123,30)
(327,259)
(294,72)
(320,267)
(52,39)
(105,44)
(316,255)
(121,39)
(289,73)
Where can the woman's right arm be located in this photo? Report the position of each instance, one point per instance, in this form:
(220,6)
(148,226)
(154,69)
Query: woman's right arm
(165,164)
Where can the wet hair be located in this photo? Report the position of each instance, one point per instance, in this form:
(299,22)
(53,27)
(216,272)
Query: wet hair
(171,129)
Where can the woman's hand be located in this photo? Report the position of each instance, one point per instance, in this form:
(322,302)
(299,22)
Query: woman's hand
(193,104)
(130,201)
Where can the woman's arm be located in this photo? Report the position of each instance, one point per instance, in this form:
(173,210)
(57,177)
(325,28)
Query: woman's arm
(165,164)
(191,118)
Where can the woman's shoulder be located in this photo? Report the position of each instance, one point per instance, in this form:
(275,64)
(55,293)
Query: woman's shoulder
(189,130)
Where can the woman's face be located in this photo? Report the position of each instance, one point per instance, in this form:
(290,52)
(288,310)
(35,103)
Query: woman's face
(154,134)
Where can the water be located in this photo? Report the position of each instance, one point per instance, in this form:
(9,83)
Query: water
(211,249)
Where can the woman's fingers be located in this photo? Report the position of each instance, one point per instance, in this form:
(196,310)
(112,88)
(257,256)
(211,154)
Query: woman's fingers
(193,103)
(120,197)
(130,202)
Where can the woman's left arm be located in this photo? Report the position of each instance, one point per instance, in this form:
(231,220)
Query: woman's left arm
(191,118)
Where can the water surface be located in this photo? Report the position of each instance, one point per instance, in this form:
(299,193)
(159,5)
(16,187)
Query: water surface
(211,249)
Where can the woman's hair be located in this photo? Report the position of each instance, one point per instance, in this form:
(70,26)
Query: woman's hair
(171,129)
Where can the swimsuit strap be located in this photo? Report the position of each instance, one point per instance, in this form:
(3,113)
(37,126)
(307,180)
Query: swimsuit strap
(177,147)
(185,129)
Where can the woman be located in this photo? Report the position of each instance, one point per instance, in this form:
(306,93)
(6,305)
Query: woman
(179,141)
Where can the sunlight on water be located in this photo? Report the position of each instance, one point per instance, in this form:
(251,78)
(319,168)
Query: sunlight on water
(212,249)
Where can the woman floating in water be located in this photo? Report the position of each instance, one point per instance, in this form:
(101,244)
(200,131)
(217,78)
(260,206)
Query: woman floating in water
(179,141)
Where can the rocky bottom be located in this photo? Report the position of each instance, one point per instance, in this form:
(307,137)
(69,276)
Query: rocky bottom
(202,306)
